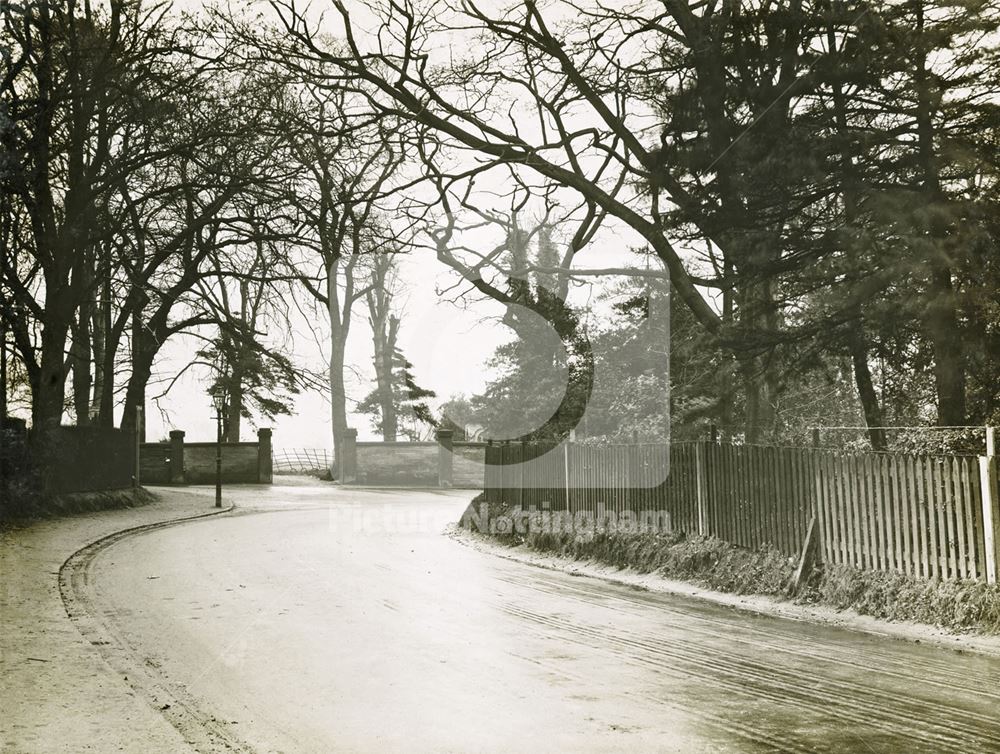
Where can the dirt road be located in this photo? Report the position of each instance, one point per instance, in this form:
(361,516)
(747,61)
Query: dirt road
(334,620)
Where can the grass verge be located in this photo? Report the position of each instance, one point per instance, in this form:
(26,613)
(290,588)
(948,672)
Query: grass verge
(27,507)
(961,605)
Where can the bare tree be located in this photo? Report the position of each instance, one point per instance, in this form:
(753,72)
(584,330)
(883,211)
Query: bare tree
(385,331)
(688,125)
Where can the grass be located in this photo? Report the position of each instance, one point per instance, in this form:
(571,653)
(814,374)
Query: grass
(23,506)
(961,605)
(956,605)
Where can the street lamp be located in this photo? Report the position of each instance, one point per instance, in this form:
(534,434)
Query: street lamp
(219,403)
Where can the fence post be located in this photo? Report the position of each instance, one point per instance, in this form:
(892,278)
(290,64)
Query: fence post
(566,470)
(265,469)
(136,482)
(176,470)
(991,514)
(700,450)
(349,463)
(445,469)
(520,486)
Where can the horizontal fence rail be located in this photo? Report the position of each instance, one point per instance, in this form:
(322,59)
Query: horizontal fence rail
(932,517)
(291,460)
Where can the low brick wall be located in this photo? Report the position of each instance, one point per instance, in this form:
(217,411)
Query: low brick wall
(468,465)
(398,463)
(443,463)
(154,463)
(180,462)
(239,462)
(81,459)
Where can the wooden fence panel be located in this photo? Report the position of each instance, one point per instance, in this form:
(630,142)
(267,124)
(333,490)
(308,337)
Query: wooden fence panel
(915,514)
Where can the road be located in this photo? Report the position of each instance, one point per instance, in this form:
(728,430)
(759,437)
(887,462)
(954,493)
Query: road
(320,620)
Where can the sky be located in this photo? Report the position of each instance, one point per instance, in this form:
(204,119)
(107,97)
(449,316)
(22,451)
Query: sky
(448,344)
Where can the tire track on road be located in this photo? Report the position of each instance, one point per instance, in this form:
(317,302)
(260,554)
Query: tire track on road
(872,705)
(200,729)
(902,669)
(779,686)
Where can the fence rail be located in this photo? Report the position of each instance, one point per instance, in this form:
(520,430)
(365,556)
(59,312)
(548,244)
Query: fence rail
(293,460)
(927,516)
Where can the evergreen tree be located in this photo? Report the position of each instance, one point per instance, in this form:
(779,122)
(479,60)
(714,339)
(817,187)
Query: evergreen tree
(408,399)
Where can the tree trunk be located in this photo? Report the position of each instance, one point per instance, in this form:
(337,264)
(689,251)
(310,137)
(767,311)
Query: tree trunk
(49,397)
(857,340)
(340,324)
(384,341)
(135,393)
(106,412)
(80,364)
(865,386)
(234,411)
(100,333)
(338,400)
(80,347)
(941,317)
(946,338)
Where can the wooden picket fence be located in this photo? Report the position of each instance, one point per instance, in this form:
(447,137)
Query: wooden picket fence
(931,517)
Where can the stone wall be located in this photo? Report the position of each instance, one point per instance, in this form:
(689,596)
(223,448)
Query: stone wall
(443,463)
(154,463)
(81,459)
(239,462)
(397,463)
(180,462)
(468,465)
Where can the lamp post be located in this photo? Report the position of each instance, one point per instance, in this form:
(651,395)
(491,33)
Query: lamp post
(219,403)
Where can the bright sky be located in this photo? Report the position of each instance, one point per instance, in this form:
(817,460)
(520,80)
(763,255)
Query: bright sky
(447,344)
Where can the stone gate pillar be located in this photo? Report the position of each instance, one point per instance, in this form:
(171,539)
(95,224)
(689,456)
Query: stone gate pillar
(265,471)
(445,457)
(175,474)
(348,463)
